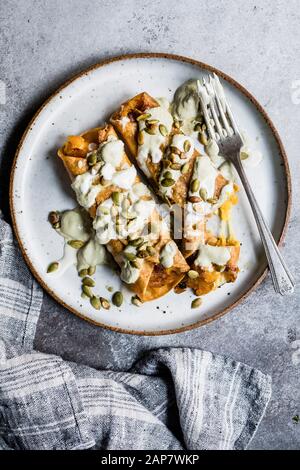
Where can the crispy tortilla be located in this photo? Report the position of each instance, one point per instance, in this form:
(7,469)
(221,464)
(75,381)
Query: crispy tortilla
(154,280)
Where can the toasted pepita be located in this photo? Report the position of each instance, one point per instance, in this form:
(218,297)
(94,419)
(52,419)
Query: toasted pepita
(88,281)
(83,272)
(195,199)
(137,242)
(53,267)
(167,174)
(92,159)
(195,185)
(143,117)
(87,290)
(91,270)
(187,146)
(95,302)
(176,166)
(129,256)
(152,129)
(203,138)
(166,182)
(143,254)
(116,197)
(203,194)
(185,168)
(105,303)
(76,244)
(163,130)
(117,299)
(196,302)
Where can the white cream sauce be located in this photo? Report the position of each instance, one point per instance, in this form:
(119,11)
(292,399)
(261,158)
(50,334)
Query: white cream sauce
(208,254)
(86,192)
(76,225)
(185,106)
(206,173)
(167,254)
(152,143)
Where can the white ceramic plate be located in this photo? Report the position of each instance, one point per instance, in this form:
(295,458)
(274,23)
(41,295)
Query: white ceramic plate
(40,184)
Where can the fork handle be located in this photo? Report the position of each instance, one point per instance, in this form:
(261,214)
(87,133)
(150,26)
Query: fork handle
(281,276)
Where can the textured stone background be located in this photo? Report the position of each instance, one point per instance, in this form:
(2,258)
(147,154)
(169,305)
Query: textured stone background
(43,42)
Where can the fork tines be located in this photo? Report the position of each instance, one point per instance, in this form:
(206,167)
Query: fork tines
(217,114)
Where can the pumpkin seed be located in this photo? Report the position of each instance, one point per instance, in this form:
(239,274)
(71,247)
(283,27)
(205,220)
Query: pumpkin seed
(76,244)
(173,157)
(95,302)
(203,138)
(91,270)
(167,174)
(195,185)
(135,300)
(53,217)
(137,242)
(203,194)
(105,303)
(56,226)
(92,159)
(84,296)
(129,256)
(88,281)
(140,138)
(177,124)
(163,130)
(116,197)
(212,200)
(117,299)
(187,146)
(176,166)
(87,291)
(150,250)
(134,263)
(166,182)
(197,127)
(142,254)
(175,150)
(185,168)
(152,121)
(83,272)
(195,199)
(244,155)
(152,129)
(166,163)
(53,267)
(143,117)
(196,302)
(193,274)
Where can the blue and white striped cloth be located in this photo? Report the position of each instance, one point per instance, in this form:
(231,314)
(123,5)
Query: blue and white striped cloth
(175,398)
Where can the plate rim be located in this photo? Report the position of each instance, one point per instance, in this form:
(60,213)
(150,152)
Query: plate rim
(202,65)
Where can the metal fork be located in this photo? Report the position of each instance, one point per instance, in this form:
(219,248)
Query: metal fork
(218,115)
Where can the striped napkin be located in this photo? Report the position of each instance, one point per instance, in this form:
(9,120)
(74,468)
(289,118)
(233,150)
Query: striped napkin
(174,398)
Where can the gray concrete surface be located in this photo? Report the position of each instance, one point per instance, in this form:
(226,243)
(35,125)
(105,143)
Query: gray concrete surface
(43,42)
